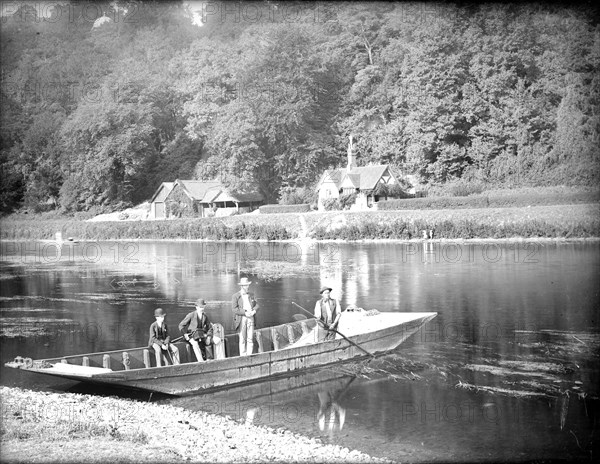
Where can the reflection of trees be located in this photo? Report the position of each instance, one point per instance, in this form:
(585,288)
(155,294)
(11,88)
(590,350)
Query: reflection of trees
(330,269)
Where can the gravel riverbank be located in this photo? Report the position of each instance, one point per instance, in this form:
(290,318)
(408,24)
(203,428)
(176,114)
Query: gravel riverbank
(68,427)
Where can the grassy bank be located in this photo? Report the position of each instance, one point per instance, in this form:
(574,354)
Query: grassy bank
(573,221)
(496,199)
(67,427)
(556,221)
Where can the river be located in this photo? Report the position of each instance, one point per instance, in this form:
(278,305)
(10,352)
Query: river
(507,371)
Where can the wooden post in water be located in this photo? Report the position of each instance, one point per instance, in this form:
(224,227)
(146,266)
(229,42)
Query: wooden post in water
(106,361)
(147,358)
(275,338)
(219,350)
(126,361)
(259,341)
(290,332)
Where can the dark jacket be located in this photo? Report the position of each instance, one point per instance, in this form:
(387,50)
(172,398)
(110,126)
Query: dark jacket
(190,324)
(159,334)
(237,306)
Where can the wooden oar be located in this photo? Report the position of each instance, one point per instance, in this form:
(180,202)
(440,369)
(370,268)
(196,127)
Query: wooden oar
(179,338)
(335,331)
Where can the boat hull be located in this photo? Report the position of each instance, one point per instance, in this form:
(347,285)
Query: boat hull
(195,377)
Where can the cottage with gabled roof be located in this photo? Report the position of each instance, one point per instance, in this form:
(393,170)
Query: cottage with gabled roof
(157,202)
(363,181)
(199,198)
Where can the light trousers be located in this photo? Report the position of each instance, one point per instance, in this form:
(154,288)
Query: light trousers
(159,353)
(201,347)
(246,334)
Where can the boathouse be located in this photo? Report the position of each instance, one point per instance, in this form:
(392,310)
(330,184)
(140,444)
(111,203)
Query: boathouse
(199,198)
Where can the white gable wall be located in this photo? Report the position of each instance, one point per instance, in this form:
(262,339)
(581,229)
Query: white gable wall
(327,190)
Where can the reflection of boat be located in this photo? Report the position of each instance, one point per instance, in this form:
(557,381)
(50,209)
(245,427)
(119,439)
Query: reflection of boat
(282,350)
(280,400)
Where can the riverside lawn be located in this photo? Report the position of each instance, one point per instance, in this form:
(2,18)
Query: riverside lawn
(554,221)
(68,427)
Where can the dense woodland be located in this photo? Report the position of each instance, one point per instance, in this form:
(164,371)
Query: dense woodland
(97,112)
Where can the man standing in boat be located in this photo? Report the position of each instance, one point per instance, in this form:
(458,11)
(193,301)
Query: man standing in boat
(160,339)
(244,307)
(198,331)
(328,311)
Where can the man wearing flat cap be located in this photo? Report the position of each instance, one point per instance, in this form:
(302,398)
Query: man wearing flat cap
(328,311)
(244,307)
(198,331)
(160,340)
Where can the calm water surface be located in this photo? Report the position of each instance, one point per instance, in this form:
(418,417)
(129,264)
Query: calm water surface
(507,371)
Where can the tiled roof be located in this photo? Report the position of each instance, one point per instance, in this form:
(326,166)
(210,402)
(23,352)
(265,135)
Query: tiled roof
(226,195)
(210,191)
(364,177)
(196,189)
(162,191)
(354,178)
(248,196)
(335,175)
(369,175)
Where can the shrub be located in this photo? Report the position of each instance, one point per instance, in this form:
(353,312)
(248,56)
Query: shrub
(393,191)
(297,195)
(273,209)
(347,200)
(490,201)
(463,188)
(332,204)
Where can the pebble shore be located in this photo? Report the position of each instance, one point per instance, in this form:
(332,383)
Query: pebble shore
(69,427)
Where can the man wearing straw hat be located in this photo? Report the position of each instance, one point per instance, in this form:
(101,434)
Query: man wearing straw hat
(328,311)
(244,307)
(160,339)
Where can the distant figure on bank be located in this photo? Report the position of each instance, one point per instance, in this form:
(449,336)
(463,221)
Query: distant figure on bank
(328,311)
(160,340)
(244,307)
(198,331)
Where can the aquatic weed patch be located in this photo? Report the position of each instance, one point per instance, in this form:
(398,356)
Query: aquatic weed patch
(545,363)
(12,327)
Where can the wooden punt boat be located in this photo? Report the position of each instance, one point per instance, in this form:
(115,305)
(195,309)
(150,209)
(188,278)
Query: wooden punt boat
(279,351)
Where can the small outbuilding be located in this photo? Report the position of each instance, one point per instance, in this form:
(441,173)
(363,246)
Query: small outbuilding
(198,198)
(157,202)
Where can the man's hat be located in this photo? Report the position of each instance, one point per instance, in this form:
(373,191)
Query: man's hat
(159,312)
(325,288)
(244,281)
(200,302)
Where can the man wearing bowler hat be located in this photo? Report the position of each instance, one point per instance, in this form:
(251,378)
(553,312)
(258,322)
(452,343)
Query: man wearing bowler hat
(328,311)
(160,340)
(244,307)
(198,331)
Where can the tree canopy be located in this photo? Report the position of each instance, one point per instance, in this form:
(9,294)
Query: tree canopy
(101,104)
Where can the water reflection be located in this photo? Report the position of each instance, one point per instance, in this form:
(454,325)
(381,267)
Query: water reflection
(331,415)
(310,402)
(519,317)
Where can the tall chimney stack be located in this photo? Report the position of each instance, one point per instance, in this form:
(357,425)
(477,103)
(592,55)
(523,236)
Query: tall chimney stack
(351,162)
